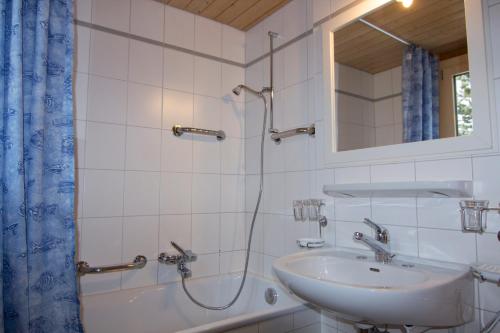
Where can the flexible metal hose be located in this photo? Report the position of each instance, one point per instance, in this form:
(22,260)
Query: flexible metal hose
(254,217)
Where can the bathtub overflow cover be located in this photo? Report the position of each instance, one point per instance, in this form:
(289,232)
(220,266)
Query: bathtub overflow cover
(271,296)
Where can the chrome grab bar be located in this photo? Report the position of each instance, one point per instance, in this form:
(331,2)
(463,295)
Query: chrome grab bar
(178,130)
(311,130)
(82,267)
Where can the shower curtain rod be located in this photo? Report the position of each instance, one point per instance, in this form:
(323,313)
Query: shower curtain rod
(371,25)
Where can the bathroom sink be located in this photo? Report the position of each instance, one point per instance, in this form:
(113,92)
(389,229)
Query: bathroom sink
(408,290)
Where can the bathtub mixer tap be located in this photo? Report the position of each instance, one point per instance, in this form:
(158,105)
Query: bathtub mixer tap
(180,260)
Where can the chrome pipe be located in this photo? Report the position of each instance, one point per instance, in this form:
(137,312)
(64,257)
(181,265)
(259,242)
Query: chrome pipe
(270,89)
(82,267)
(178,130)
(277,136)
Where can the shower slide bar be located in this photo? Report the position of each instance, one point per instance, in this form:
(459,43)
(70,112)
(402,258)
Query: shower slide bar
(178,130)
(82,267)
(311,130)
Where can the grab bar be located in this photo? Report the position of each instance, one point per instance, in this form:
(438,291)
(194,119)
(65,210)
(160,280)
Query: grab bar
(178,130)
(82,267)
(311,130)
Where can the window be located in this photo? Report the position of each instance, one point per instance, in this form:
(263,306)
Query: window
(462,103)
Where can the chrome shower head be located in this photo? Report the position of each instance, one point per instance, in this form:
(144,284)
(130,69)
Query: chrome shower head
(237,90)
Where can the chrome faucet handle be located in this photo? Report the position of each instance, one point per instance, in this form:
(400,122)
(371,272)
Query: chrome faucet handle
(187,255)
(382,234)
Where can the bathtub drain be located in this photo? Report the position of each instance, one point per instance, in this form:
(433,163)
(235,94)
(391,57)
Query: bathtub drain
(271,296)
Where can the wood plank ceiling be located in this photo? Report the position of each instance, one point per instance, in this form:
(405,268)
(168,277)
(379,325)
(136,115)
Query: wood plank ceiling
(437,25)
(240,14)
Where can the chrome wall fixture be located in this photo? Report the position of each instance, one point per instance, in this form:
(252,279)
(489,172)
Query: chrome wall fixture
(178,130)
(277,136)
(180,260)
(310,209)
(82,267)
(473,215)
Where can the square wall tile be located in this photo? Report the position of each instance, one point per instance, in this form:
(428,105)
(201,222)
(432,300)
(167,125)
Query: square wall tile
(233,156)
(83,10)
(178,71)
(207,112)
(494,13)
(233,118)
(177,109)
(232,76)
(144,105)
(345,232)
(81,84)
(274,237)
(452,169)
(140,237)
(105,146)
(206,193)
(143,149)
(103,193)
(206,154)
(97,284)
(207,77)
(352,175)
(274,195)
(114,14)
(107,100)
(354,210)
(441,213)
(107,55)
(295,59)
(208,36)
(206,265)
(233,44)
(174,228)
(102,241)
(232,232)
(144,277)
(175,193)
(146,63)
(80,140)
(147,19)
(232,262)
(401,172)
(205,233)
(488,248)
(179,20)
(447,245)
(81,55)
(141,193)
(395,211)
(176,152)
(233,193)
(403,240)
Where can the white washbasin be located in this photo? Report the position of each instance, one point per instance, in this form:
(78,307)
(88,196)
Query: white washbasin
(407,291)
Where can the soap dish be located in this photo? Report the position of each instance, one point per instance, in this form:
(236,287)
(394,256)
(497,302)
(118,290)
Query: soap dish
(310,242)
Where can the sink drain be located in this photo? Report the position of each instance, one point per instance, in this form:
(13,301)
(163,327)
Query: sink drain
(271,296)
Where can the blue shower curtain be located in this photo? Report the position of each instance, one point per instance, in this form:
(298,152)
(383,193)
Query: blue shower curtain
(420,95)
(38,288)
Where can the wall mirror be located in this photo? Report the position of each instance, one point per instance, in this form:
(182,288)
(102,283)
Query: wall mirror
(406,79)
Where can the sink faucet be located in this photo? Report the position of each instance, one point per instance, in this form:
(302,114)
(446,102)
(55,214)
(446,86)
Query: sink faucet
(180,260)
(379,244)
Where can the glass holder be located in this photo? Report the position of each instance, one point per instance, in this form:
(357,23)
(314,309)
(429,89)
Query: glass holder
(473,215)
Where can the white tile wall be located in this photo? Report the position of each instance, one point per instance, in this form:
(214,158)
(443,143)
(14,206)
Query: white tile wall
(139,186)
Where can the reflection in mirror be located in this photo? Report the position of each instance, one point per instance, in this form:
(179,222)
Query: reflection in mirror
(402,75)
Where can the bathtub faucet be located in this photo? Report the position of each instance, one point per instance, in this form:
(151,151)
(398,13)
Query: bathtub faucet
(180,260)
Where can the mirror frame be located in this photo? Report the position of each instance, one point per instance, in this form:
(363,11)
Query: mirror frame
(484,136)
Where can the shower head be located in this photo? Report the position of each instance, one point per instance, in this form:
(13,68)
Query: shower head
(238,88)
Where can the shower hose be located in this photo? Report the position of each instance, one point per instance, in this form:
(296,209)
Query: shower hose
(254,217)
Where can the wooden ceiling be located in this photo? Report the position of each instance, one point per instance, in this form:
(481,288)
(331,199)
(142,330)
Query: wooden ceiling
(240,14)
(437,25)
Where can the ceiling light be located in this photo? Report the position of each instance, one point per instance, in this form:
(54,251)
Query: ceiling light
(406,3)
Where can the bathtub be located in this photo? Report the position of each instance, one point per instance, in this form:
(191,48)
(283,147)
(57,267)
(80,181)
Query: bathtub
(166,309)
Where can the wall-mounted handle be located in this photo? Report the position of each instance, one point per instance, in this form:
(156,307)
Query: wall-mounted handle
(178,130)
(83,267)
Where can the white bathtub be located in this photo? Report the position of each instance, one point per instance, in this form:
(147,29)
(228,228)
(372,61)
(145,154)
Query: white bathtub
(167,309)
